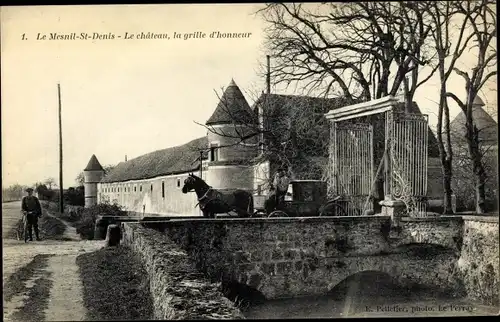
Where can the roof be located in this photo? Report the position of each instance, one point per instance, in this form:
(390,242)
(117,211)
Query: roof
(294,102)
(93,164)
(233,108)
(487,126)
(273,105)
(478,101)
(178,159)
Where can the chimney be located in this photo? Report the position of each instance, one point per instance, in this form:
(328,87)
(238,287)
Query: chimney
(268,78)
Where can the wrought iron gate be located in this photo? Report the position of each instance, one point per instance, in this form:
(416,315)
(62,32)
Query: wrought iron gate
(408,139)
(351,165)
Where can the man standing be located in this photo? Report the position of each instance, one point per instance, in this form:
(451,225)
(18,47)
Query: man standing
(280,184)
(31,206)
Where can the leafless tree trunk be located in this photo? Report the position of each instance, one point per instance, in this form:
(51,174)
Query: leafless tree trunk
(481,17)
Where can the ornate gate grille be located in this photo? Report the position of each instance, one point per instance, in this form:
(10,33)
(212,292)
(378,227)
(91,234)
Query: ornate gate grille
(351,165)
(408,135)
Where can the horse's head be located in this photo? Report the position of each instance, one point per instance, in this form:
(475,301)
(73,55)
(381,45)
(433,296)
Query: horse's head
(190,183)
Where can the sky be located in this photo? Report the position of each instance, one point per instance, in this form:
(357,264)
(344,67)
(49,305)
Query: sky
(126,97)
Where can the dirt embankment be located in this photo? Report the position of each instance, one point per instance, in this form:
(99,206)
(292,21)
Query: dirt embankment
(50,228)
(115,285)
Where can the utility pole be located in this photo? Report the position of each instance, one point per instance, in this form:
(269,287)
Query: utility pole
(201,164)
(61,194)
(268,74)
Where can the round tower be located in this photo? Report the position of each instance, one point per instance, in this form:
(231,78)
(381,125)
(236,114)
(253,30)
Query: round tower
(229,156)
(93,174)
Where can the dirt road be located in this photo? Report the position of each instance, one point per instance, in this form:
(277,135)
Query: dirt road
(41,281)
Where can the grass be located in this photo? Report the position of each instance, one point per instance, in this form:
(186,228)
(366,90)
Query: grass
(49,227)
(83,219)
(36,301)
(115,285)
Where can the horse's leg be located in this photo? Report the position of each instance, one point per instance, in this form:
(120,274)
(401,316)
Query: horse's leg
(250,209)
(242,213)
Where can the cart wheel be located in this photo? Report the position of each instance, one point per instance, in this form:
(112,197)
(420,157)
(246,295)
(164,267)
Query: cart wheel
(259,213)
(332,209)
(278,213)
(25,229)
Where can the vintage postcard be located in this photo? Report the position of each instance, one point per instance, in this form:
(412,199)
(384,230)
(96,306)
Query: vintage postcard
(256,161)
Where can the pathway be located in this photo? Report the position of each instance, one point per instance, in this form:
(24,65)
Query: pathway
(41,279)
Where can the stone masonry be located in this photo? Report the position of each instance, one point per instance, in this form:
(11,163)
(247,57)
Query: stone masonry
(289,257)
(479,259)
(179,291)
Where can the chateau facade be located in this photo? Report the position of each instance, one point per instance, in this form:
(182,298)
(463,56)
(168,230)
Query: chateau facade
(152,183)
(231,157)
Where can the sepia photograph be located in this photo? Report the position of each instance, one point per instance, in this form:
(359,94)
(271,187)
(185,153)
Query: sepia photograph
(250,161)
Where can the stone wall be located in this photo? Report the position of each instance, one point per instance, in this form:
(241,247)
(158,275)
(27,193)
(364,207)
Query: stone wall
(479,259)
(179,291)
(288,257)
(445,231)
(161,195)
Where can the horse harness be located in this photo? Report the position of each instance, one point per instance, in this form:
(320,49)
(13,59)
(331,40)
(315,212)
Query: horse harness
(211,195)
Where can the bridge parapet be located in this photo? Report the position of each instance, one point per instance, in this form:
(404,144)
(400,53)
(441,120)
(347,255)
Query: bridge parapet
(445,231)
(286,257)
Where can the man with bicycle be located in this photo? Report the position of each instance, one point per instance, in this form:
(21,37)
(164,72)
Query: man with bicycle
(32,210)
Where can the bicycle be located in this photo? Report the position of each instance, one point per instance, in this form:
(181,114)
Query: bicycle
(22,227)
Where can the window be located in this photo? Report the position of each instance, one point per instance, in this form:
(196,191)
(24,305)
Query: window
(151,187)
(163,189)
(214,151)
(178,182)
(140,188)
(135,188)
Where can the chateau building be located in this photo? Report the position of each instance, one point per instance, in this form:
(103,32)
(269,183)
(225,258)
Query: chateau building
(237,152)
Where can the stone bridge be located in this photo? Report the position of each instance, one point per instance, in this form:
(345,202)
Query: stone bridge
(290,257)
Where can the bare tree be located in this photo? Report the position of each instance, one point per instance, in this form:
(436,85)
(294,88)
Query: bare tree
(443,15)
(50,182)
(13,192)
(80,178)
(481,18)
(349,49)
(287,130)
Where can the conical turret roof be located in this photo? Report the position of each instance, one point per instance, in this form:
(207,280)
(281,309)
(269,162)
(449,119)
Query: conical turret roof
(93,164)
(478,101)
(487,126)
(233,108)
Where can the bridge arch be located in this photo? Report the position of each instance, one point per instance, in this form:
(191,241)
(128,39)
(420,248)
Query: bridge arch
(242,294)
(364,283)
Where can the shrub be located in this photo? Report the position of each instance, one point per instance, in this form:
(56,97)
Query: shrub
(83,219)
(87,218)
(464,185)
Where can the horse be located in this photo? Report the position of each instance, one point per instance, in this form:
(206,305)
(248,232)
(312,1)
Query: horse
(213,201)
